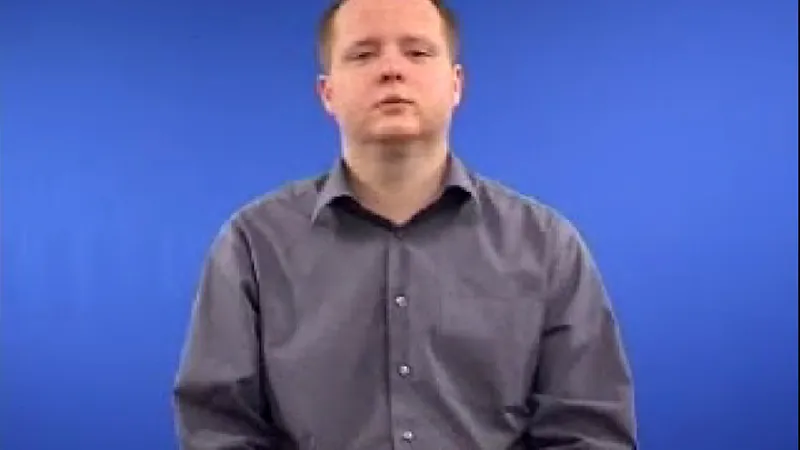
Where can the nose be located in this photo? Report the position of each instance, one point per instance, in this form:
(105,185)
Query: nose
(391,68)
(391,75)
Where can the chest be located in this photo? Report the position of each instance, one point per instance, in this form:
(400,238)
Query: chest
(457,304)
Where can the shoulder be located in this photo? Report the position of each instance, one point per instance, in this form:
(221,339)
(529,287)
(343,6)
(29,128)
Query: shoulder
(293,200)
(531,217)
(279,215)
(538,230)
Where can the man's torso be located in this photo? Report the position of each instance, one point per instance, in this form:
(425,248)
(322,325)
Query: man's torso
(425,334)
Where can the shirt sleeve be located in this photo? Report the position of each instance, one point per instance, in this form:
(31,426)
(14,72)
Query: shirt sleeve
(582,397)
(219,395)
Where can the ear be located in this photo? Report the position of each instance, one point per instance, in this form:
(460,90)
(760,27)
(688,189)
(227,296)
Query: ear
(325,92)
(458,83)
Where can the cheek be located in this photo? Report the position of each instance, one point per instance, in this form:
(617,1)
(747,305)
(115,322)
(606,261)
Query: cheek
(351,99)
(442,96)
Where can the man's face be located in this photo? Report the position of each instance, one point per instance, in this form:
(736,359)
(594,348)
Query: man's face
(391,77)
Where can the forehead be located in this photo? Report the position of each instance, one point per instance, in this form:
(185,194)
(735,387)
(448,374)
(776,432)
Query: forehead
(362,19)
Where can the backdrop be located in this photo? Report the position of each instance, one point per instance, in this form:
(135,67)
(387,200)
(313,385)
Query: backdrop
(667,131)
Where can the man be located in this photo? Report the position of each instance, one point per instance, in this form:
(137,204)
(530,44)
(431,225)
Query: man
(400,301)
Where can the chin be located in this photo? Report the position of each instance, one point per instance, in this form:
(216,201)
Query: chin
(394,139)
(393,132)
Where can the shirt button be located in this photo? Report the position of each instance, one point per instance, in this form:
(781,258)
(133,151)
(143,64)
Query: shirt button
(408,436)
(404,370)
(401,301)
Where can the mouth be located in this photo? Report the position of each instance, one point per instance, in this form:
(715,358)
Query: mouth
(394,100)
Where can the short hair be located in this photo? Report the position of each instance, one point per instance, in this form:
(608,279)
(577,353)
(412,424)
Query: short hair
(325,31)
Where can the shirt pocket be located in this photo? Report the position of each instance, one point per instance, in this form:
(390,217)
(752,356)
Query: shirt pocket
(481,322)
(480,349)
(308,442)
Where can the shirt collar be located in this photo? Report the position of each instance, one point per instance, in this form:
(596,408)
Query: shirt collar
(334,184)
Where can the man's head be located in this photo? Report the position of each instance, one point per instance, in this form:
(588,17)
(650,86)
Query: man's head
(389,69)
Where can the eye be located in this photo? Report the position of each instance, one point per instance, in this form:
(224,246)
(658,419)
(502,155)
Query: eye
(360,54)
(418,53)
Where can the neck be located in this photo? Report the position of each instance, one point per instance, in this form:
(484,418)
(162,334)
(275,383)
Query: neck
(396,183)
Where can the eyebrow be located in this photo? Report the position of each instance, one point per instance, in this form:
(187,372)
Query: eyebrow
(366,42)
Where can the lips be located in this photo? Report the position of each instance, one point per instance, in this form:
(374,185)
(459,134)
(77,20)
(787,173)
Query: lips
(394,100)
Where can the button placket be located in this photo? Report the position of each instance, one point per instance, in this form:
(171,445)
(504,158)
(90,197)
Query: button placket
(400,339)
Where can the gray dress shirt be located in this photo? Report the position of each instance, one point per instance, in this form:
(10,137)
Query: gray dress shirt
(482,324)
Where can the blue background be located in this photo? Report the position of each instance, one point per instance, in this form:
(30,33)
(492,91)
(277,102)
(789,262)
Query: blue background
(667,131)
